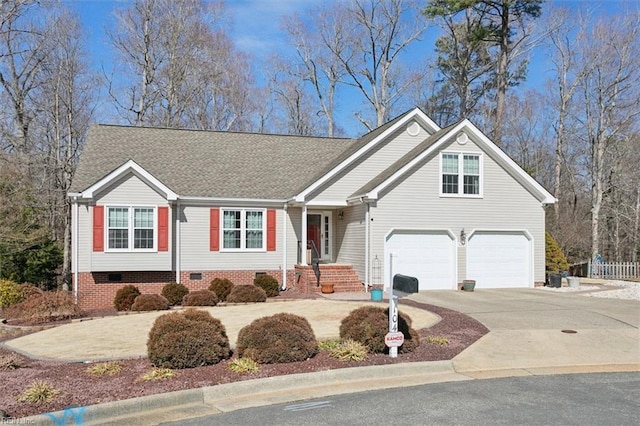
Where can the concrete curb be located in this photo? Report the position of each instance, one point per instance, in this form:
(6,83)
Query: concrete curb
(191,403)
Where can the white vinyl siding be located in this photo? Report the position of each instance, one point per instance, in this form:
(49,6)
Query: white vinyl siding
(121,194)
(505,205)
(356,176)
(350,239)
(196,255)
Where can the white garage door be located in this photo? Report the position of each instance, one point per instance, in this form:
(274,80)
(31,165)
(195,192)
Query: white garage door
(428,256)
(499,259)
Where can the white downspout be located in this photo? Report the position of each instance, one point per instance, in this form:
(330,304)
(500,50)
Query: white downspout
(366,247)
(74,248)
(303,261)
(177,247)
(284,247)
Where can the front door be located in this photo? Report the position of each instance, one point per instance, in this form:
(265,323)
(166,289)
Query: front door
(319,231)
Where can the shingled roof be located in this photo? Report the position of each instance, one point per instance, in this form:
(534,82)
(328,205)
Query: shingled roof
(195,163)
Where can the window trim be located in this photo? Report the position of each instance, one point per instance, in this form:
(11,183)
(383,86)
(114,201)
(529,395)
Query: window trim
(461,174)
(131,229)
(243,230)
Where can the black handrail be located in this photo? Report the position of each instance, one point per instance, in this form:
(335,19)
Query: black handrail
(315,259)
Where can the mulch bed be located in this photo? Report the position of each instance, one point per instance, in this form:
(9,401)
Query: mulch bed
(77,388)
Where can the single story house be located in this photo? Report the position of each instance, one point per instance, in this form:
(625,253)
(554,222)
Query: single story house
(154,205)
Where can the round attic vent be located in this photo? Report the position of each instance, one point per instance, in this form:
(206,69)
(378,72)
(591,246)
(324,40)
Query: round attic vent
(462,138)
(413,129)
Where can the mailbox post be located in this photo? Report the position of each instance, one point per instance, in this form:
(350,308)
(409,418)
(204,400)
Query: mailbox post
(400,286)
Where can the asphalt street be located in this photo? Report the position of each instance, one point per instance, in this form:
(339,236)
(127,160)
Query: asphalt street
(574,399)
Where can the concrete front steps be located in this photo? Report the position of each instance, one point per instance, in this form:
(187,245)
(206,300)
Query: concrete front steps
(343,277)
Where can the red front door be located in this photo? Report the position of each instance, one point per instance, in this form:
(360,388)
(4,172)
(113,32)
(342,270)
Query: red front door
(314,227)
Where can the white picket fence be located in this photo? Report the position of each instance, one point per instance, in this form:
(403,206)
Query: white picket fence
(614,270)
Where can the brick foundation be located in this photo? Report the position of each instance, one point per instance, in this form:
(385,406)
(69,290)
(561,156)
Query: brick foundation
(96,291)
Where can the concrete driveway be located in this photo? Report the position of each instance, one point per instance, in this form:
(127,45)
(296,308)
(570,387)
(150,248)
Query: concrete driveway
(536,329)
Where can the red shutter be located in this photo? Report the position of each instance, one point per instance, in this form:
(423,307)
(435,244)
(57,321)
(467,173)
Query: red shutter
(163,228)
(271,230)
(214,230)
(98,228)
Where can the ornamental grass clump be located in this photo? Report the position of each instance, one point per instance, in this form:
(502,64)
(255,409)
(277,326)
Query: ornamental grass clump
(200,298)
(278,338)
(349,350)
(243,366)
(39,392)
(268,283)
(157,374)
(111,368)
(369,324)
(221,287)
(125,297)
(247,294)
(187,339)
(150,302)
(174,293)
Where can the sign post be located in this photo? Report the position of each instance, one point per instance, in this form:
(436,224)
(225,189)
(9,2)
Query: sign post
(393,323)
(399,285)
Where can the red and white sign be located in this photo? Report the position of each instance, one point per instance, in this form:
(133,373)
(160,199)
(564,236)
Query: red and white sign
(394,339)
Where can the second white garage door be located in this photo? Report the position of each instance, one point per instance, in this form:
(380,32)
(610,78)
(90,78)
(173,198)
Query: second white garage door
(428,256)
(499,259)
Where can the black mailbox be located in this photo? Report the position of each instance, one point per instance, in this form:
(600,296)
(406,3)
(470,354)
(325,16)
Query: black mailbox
(405,284)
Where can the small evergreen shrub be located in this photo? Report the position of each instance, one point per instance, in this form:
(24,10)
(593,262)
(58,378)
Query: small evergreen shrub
(221,287)
(10,293)
(278,338)
(200,298)
(437,340)
(174,293)
(369,324)
(187,339)
(247,294)
(125,297)
(44,306)
(268,283)
(555,259)
(150,302)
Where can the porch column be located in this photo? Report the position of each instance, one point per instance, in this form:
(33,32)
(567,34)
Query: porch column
(74,247)
(304,236)
(177,247)
(366,247)
(285,213)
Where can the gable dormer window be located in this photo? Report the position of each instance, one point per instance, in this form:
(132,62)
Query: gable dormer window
(461,174)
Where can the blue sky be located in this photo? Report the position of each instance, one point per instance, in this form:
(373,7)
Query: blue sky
(255,28)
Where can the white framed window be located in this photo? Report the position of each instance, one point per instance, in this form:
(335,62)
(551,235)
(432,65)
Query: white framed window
(460,174)
(243,229)
(131,228)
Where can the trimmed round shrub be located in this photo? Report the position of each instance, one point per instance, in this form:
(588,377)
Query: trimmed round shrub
(174,293)
(125,297)
(369,324)
(150,302)
(248,293)
(187,339)
(268,283)
(200,298)
(278,338)
(10,293)
(221,287)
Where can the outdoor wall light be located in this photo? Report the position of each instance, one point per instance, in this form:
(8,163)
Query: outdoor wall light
(341,214)
(463,237)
